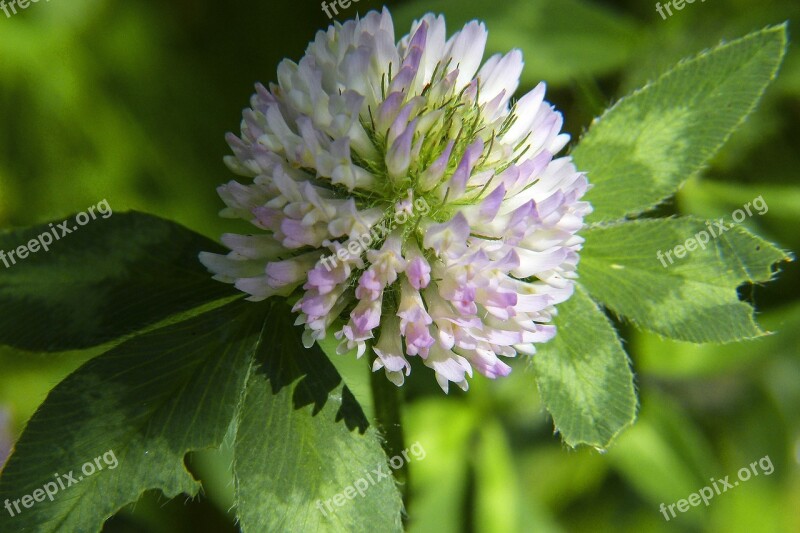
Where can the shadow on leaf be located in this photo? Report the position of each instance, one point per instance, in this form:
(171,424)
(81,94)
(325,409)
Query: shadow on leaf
(311,377)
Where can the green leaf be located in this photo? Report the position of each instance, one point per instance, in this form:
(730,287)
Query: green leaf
(355,372)
(712,198)
(104,280)
(584,376)
(675,360)
(561,40)
(148,402)
(641,150)
(303,444)
(692,298)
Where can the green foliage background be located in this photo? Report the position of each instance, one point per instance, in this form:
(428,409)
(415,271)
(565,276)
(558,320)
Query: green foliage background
(129,102)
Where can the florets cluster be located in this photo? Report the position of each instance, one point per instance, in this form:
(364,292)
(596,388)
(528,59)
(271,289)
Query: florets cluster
(467,221)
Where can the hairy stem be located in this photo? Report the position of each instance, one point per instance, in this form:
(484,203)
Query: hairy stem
(387,397)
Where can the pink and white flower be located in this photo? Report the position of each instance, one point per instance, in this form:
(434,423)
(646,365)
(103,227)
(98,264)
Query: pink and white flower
(355,133)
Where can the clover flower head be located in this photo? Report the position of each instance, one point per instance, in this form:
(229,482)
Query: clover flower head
(395,186)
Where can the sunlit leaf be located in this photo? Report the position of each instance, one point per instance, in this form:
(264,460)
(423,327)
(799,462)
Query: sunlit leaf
(584,376)
(305,458)
(687,294)
(640,151)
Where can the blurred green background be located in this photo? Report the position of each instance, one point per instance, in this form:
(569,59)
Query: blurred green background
(129,101)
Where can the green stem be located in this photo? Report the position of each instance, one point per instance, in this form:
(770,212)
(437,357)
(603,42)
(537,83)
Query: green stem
(386,397)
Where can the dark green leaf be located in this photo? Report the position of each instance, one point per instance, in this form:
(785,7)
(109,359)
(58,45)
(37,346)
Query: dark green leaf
(143,405)
(104,280)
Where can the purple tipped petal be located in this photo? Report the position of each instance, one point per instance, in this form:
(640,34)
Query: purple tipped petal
(382,166)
